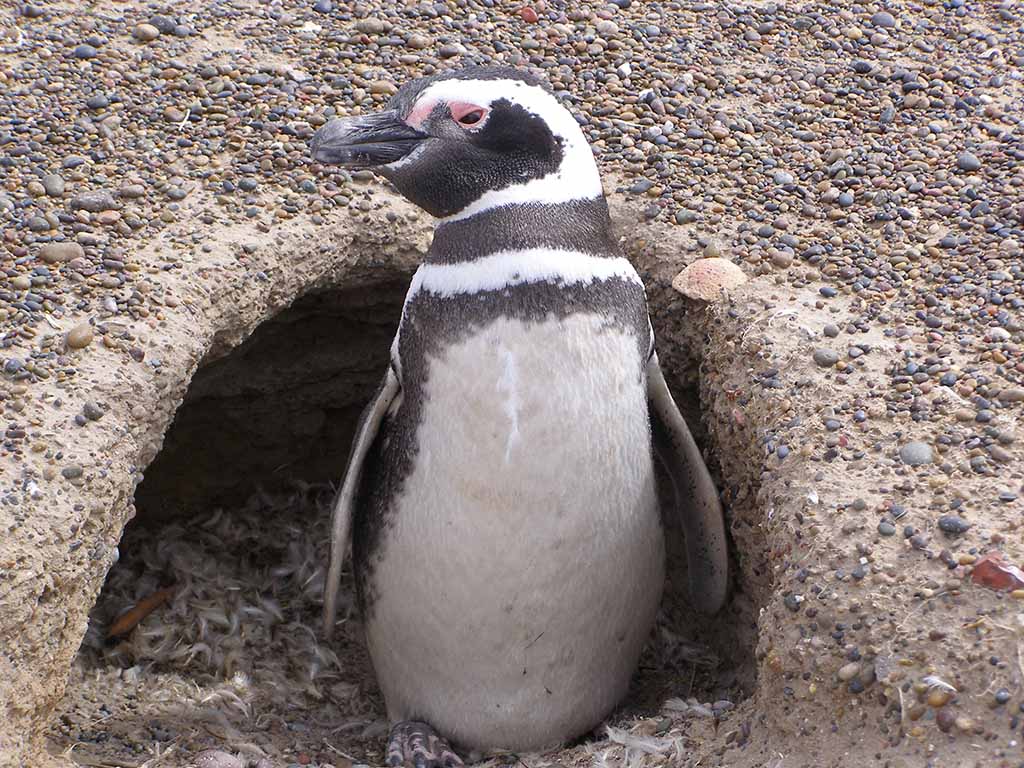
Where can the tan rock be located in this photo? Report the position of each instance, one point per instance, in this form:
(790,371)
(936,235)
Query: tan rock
(707,279)
(57,253)
(80,336)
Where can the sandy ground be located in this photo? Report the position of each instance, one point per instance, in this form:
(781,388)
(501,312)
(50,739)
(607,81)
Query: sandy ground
(861,393)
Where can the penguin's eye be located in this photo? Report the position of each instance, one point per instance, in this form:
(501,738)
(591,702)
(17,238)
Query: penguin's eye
(467,115)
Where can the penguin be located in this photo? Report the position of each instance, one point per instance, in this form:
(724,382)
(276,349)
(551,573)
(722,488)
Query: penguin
(507,542)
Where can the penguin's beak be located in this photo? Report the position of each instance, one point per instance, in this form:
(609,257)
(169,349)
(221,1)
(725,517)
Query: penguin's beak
(365,141)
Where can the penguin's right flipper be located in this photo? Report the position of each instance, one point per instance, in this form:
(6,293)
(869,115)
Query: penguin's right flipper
(344,504)
(696,496)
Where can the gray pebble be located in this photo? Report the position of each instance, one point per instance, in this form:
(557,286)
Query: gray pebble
(953,524)
(93,201)
(883,19)
(216,758)
(825,357)
(968,162)
(915,454)
(72,471)
(53,183)
(92,411)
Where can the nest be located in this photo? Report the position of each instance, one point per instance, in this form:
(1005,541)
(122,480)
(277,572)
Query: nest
(231,656)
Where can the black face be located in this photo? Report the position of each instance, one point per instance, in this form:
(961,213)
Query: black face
(445,155)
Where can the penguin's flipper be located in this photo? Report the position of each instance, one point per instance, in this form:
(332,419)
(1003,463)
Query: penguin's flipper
(344,504)
(696,496)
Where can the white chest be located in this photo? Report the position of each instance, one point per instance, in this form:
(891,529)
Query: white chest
(523,564)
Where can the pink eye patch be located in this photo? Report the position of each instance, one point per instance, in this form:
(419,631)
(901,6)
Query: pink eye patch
(464,113)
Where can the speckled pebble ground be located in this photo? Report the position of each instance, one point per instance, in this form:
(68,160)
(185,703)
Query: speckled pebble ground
(862,162)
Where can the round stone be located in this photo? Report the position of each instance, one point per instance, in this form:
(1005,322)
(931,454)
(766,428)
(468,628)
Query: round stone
(1011,395)
(915,454)
(968,162)
(953,524)
(145,33)
(80,336)
(383,87)
(53,184)
(370,26)
(708,279)
(215,758)
(72,471)
(57,253)
(825,357)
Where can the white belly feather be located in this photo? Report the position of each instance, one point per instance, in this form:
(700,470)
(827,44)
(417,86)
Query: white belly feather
(525,563)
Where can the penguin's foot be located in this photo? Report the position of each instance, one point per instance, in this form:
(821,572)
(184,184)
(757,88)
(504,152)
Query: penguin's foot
(417,744)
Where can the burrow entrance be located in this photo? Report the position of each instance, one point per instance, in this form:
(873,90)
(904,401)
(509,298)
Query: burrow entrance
(228,550)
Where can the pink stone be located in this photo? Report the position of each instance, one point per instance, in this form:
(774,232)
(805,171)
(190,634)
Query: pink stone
(707,279)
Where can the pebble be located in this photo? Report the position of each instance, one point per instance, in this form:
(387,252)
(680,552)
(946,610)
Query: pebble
(383,86)
(58,253)
(849,671)
(80,336)
(72,471)
(992,571)
(944,719)
(938,696)
(92,411)
(953,524)
(53,184)
(93,201)
(916,454)
(968,162)
(215,758)
(370,26)
(708,279)
(145,33)
(1011,395)
(883,19)
(825,357)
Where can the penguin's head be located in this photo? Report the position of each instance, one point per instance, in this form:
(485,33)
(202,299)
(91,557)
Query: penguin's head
(464,141)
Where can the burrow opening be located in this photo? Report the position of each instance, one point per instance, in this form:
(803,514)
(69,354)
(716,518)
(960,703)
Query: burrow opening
(228,548)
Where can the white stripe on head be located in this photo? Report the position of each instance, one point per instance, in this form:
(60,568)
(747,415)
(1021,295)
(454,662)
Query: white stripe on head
(576,177)
(508,268)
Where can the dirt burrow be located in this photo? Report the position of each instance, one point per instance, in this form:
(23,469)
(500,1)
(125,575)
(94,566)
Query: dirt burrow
(844,669)
(233,537)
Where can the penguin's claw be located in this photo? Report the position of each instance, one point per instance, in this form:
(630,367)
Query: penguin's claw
(416,743)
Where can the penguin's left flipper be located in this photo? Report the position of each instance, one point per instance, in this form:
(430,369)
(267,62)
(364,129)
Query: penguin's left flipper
(344,504)
(415,743)
(696,497)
